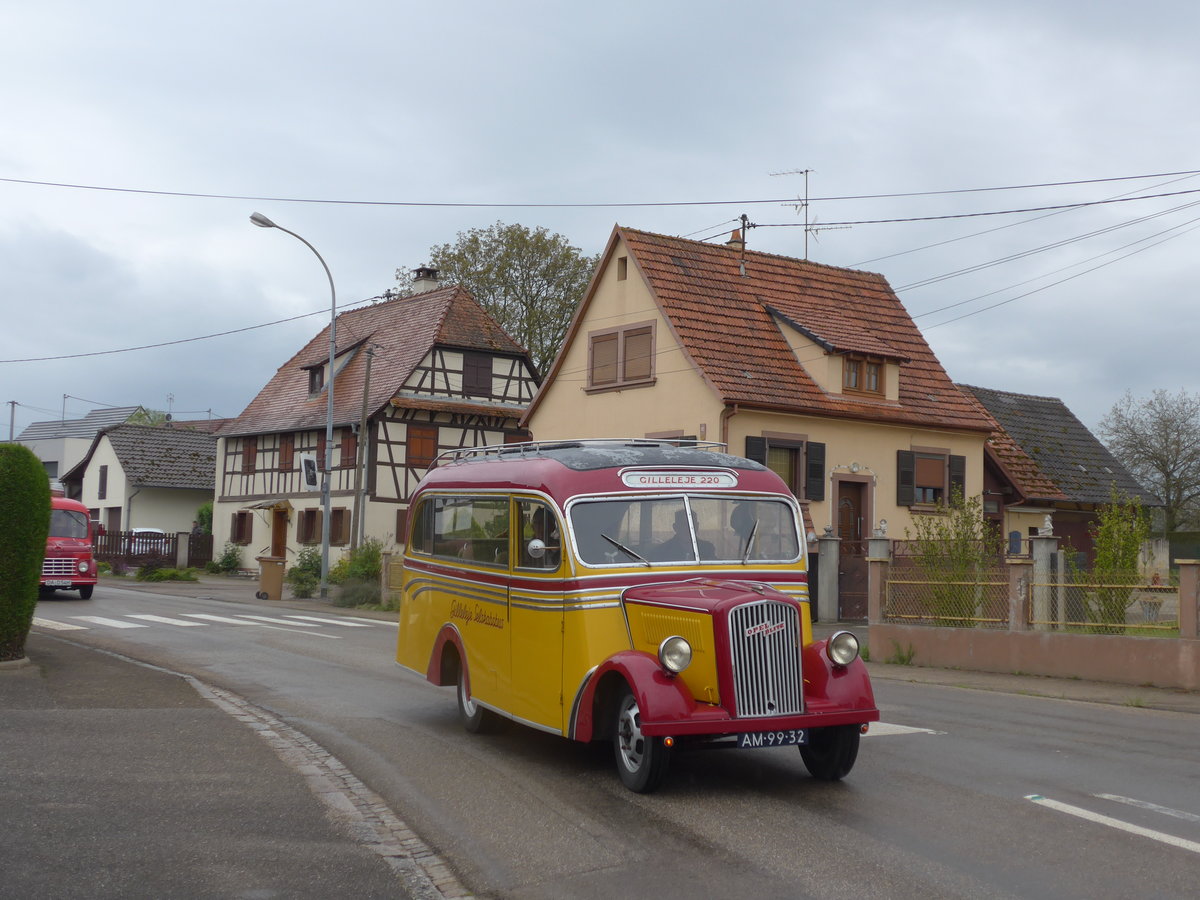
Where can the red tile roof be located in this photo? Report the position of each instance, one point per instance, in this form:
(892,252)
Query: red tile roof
(402,331)
(724,320)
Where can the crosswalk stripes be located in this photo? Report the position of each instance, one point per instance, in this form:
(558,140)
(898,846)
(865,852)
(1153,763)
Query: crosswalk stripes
(200,620)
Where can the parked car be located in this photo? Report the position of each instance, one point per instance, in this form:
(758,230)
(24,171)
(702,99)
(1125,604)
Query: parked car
(148,542)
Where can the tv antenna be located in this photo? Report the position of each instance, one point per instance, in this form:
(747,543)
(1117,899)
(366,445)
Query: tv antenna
(811,227)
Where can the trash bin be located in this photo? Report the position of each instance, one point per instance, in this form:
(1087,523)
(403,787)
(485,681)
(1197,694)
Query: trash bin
(270,578)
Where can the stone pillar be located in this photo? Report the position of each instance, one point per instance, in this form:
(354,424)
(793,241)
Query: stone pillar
(829,548)
(879,555)
(1020,573)
(1043,548)
(183,548)
(1189,596)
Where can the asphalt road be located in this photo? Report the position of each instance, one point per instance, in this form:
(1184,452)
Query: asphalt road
(958,793)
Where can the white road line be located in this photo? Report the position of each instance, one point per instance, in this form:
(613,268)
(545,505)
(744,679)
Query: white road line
(276,621)
(295,629)
(111,623)
(882,729)
(210,618)
(166,620)
(58,626)
(341,622)
(395,623)
(1153,807)
(1181,843)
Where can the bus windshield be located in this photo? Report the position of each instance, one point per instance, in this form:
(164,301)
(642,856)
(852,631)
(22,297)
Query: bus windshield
(68,523)
(684,529)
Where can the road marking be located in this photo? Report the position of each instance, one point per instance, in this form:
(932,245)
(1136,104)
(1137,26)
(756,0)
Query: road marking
(211,618)
(275,621)
(111,623)
(166,621)
(882,729)
(58,626)
(1181,843)
(357,624)
(1154,807)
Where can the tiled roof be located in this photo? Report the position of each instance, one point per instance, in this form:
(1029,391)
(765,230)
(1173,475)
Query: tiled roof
(157,456)
(1051,453)
(724,319)
(87,427)
(401,331)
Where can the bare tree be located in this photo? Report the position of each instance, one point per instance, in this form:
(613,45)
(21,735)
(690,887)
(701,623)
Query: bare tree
(1158,440)
(529,279)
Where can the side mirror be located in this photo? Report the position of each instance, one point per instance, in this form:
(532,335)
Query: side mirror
(536,548)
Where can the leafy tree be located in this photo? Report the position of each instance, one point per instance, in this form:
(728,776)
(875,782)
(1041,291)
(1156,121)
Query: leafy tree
(204,515)
(529,279)
(1158,440)
(24,524)
(954,549)
(145,416)
(1118,533)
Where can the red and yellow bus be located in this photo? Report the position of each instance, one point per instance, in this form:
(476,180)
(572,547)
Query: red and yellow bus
(651,594)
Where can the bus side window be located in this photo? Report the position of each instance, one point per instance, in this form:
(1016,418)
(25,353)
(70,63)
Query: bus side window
(538,523)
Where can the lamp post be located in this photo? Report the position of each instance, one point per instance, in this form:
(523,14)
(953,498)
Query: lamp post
(263,222)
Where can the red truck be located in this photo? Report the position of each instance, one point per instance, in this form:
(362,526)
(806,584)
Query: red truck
(68,563)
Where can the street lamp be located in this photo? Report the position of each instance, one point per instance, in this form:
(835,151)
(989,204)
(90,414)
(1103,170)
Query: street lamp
(263,222)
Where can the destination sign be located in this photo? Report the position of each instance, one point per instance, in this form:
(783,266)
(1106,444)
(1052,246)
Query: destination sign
(661,478)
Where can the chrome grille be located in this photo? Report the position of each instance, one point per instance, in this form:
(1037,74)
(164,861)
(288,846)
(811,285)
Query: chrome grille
(765,649)
(58,567)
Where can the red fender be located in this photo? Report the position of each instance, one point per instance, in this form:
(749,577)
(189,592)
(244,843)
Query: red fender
(828,687)
(661,697)
(448,635)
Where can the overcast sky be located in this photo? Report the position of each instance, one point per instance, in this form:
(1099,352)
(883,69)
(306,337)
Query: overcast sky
(271,106)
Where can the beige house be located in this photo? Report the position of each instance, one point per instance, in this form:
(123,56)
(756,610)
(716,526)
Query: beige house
(414,376)
(817,371)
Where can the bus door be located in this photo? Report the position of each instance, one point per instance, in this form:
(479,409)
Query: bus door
(536,608)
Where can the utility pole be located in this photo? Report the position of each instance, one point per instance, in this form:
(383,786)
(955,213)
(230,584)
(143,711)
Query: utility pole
(358,517)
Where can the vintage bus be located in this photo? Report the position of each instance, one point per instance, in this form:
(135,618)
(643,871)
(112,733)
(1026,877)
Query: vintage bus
(651,594)
(68,563)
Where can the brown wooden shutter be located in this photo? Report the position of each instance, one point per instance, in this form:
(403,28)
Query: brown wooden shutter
(814,471)
(905,478)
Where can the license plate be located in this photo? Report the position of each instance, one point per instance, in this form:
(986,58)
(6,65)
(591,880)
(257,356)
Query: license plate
(57,582)
(772,738)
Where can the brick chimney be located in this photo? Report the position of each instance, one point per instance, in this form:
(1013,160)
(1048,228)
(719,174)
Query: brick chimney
(425,279)
(735,240)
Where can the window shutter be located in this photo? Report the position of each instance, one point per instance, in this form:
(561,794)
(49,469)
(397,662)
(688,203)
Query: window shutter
(905,478)
(756,449)
(958,474)
(814,474)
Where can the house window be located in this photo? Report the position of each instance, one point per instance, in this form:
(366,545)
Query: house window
(422,444)
(622,268)
(339,526)
(308,526)
(927,477)
(349,458)
(102,491)
(477,374)
(621,357)
(316,379)
(241,527)
(287,452)
(249,455)
(800,463)
(862,376)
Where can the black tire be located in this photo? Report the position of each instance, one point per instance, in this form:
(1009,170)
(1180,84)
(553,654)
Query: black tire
(641,760)
(831,752)
(85,591)
(474,717)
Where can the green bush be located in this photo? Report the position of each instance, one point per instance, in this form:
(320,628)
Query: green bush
(24,524)
(305,576)
(357,592)
(161,573)
(363,563)
(228,562)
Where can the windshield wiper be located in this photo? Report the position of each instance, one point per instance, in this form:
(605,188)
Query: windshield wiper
(625,549)
(749,542)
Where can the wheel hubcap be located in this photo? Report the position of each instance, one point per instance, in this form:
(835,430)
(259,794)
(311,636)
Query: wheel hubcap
(630,740)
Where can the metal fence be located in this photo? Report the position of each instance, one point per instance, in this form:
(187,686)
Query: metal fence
(1104,603)
(966,586)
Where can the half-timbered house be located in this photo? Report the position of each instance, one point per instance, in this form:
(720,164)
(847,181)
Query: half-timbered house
(414,376)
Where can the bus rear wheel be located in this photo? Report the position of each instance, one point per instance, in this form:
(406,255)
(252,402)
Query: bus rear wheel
(474,717)
(831,752)
(641,760)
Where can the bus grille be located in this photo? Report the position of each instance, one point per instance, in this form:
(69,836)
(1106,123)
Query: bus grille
(58,567)
(765,650)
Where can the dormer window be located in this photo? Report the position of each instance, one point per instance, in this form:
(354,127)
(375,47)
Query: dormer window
(316,379)
(861,375)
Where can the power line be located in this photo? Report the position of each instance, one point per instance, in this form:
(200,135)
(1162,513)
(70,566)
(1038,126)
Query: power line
(578,205)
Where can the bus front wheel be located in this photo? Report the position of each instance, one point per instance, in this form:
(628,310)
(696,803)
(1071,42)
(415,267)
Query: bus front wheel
(641,760)
(830,752)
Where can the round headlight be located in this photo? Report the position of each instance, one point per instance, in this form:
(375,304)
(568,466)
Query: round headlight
(83,566)
(675,654)
(842,648)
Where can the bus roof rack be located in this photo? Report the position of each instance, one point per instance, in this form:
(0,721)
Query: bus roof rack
(537,448)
